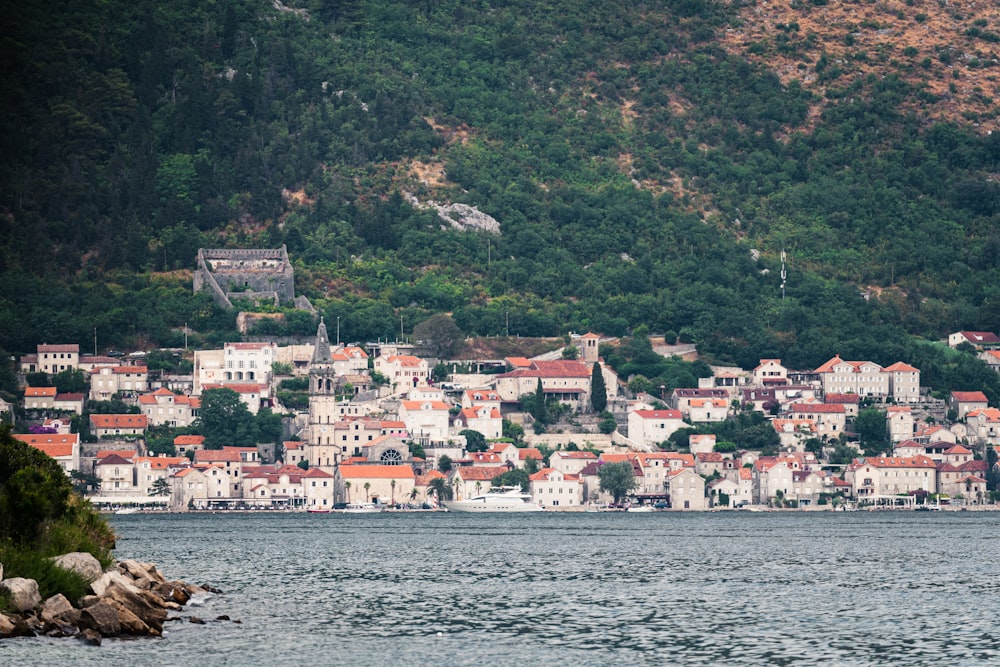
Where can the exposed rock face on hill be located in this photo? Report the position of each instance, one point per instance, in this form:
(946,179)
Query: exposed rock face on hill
(950,49)
(459,216)
(132,599)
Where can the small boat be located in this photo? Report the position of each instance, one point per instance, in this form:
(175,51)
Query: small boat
(318,510)
(497,499)
(362,508)
(127,510)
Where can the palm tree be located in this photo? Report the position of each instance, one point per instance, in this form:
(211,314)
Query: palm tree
(441,488)
(413,494)
(368,485)
(347,490)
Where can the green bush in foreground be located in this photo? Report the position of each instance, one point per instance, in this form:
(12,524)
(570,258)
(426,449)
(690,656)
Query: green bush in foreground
(41,517)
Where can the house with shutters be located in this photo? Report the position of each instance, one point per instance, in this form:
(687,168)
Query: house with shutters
(553,488)
(148,469)
(402,370)
(203,486)
(118,426)
(770,372)
(117,475)
(900,381)
(899,422)
(685,490)
(426,421)
(682,399)
(964,402)
(649,428)
(39,398)
(188,443)
(481,418)
(873,477)
(51,359)
(107,382)
(64,448)
(165,408)
(830,419)
(977,339)
(369,482)
(571,463)
(984,426)
(565,381)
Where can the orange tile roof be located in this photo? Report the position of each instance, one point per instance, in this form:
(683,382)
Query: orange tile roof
(119,421)
(525,453)
(419,405)
(72,347)
(124,370)
(478,473)
(189,440)
(817,408)
(969,396)
(55,450)
(36,439)
(659,414)
(39,392)
(162,462)
(406,360)
(370,471)
(238,388)
(899,366)
(124,453)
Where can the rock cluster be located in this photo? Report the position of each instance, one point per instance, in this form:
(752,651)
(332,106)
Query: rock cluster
(131,599)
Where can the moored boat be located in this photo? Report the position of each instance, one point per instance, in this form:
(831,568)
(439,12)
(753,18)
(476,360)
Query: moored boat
(497,499)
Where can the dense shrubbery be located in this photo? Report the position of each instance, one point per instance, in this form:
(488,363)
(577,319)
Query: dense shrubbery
(41,517)
(633,166)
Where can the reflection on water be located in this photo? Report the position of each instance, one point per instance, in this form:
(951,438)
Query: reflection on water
(582,589)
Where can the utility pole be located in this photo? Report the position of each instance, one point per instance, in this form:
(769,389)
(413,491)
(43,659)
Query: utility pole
(185,336)
(784,275)
(338,330)
(95,341)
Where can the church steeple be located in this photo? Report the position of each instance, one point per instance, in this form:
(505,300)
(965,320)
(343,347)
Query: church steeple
(321,352)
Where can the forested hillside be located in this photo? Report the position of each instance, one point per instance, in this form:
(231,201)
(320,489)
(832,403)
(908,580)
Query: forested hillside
(645,165)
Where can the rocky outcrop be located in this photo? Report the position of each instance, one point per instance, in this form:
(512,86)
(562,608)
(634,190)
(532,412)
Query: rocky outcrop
(131,599)
(82,563)
(23,593)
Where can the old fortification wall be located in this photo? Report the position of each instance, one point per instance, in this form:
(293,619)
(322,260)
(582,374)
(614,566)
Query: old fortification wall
(250,273)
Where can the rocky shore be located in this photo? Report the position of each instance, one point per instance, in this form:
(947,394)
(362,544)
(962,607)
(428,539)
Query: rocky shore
(130,599)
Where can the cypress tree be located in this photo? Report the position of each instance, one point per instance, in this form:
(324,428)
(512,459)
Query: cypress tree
(598,391)
(541,412)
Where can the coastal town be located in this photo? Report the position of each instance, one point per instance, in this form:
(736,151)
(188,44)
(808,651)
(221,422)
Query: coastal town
(381,431)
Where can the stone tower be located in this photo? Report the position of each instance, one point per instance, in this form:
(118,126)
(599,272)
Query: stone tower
(324,451)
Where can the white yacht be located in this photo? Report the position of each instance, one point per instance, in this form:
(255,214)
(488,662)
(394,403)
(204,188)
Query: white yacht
(497,499)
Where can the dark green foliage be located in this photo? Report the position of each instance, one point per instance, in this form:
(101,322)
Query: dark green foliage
(41,517)
(474,441)
(225,420)
(268,426)
(871,429)
(618,479)
(135,132)
(598,390)
(517,477)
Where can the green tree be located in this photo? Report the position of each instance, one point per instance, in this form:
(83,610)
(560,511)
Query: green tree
(607,424)
(618,479)
(70,381)
(598,390)
(474,441)
(871,429)
(842,453)
(440,333)
(538,408)
(444,463)
(441,488)
(517,477)
(160,487)
(268,426)
(225,420)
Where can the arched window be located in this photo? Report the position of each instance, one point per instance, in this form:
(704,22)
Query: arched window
(391,457)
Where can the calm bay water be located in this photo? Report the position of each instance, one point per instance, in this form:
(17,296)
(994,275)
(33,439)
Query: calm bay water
(898,588)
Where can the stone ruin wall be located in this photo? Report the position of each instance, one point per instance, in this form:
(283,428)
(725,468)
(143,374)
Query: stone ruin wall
(257,274)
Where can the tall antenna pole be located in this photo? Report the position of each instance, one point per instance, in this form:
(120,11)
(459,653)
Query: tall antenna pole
(784,274)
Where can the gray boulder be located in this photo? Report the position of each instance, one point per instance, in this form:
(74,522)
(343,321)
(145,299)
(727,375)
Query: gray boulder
(145,606)
(23,592)
(101,584)
(145,575)
(57,610)
(102,618)
(82,563)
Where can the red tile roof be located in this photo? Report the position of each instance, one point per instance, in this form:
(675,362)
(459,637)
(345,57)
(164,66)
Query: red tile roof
(118,421)
(969,396)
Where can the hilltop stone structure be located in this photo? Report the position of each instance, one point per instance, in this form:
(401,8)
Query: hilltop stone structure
(257,274)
